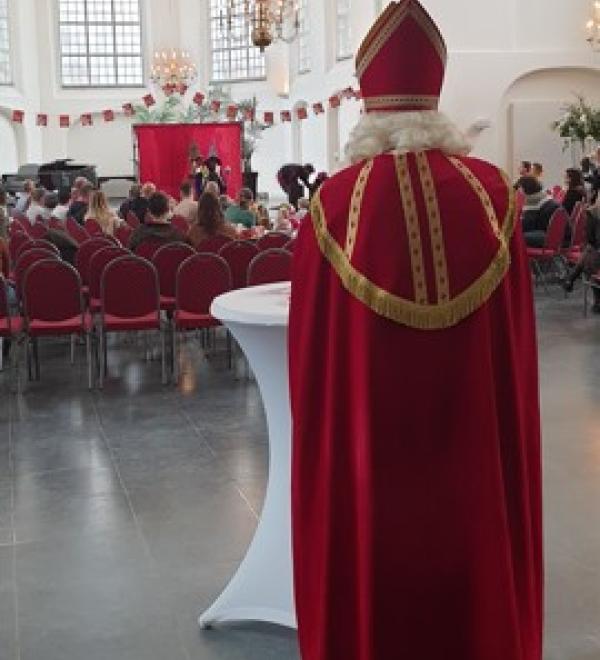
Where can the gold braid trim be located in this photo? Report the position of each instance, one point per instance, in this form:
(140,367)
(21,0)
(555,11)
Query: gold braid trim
(406,312)
(355,206)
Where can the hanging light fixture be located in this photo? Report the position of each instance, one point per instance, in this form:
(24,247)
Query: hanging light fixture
(266,20)
(593,26)
(173,70)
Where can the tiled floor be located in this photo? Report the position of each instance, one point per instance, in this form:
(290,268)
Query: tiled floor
(123,514)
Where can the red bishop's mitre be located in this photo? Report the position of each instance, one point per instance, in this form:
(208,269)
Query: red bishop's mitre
(401,62)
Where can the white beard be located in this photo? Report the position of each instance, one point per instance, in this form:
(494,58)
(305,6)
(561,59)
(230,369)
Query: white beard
(401,132)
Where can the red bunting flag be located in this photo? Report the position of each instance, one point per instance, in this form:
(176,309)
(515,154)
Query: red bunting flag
(302,113)
(41,120)
(198,98)
(249,114)
(108,115)
(334,101)
(18,116)
(169,89)
(286,115)
(86,119)
(128,109)
(64,121)
(149,100)
(232,111)
(215,106)
(269,118)
(318,108)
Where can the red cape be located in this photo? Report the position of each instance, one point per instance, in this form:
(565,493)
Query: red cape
(417,524)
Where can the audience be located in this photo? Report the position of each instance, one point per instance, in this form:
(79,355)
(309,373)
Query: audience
(24,198)
(61,210)
(79,205)
(213,165)
(50,203)
(524,171)
(240,213)
(157,228)
(100,211)
(135,203)
(187,207)
(537,171)
(283,220)
(303,209)
(209,221)
(36,206)
(537,211)
(575,190)
(263,217)
(4,218)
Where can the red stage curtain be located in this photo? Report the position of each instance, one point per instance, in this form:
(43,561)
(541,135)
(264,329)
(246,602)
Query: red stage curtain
(164,152)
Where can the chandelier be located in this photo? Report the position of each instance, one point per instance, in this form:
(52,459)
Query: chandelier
(593,27)
(173,70)
(266,20)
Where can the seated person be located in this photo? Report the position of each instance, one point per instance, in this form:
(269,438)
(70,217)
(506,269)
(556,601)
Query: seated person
(157,228)
(209,221)
(240,213)
(36,206)
(135,203)
(537,171)
(537,211)
(100,211)
(524,171)
(4,217)
(263,217)
(575,189)
(303,210)
(283,221)
(61,210)
(187,207)
(80,203)
(24,198)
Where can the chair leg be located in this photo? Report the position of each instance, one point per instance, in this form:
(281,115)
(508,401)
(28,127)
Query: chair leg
(229,352)
(585,297)
(88,354)
(1,353)
(101,357)
(163,357)
(174,356)
(36,353)
(72,350)
(28,358)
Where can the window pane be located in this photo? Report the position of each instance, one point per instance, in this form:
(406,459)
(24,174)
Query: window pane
(343,29)
(5,68)
(101,42)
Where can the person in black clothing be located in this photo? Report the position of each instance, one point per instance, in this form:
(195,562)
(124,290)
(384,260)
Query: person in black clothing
(293,179)
(591,176)
(575,189)
(524,171)
(79,207)
(212,162)
(135,203)
(590,258)
(538,209)
(158,228)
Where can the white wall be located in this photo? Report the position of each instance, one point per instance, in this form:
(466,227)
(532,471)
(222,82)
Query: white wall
(492,45)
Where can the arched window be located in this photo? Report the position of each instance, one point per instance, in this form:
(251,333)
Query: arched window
(304,59)
(232,53)
(100,43)
(5,67)
(343,43)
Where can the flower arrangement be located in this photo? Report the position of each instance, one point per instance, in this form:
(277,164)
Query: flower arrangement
(580,121)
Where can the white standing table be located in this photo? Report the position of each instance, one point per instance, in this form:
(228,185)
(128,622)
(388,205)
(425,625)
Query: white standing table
(261,589)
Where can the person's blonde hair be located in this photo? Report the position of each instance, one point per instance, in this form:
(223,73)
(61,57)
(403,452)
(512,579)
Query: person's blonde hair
(100,211)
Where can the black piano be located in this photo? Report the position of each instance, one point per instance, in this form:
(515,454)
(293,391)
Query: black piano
(52,176)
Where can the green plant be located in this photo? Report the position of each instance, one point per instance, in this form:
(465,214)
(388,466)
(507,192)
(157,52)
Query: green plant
(164,113)
(579,121)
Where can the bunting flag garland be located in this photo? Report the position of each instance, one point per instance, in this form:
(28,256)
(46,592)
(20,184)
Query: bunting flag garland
(232,111)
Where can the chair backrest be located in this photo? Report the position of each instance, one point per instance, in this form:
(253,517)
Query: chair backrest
(93,228)
(98,263)
(270,266)
(274,239)
(129,288)
(39,243)
(148,248)
(4,310)
(123,234)
(17,241)
(38,230)
(238,255)
(51,291)
(181,224)
(214,243)
(290,245)
(200,279)
(26,260)
(55,223)
(76,231)
(578,235)
(20,224)
(132,220)
(167,260)
(555,234)
(578,209)
(84,254)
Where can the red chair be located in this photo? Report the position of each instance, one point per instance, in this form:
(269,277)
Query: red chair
(290,245)
(53,307)
(84,254)
(270,266)
(20,224)
(130,302)
(578,239)
(16,242)
(10,328)
(26,260)
(40,243)
(551,252)
(93,228)
(238,255)
(132,220)
(214,244)
(123,234)
(55,223)
(200,279)
(181,224)
(38,230)
(148,248)
(98,262)
(167,260)
(76,231)
(274,239)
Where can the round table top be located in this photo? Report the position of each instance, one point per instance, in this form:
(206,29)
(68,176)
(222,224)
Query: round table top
(267,305)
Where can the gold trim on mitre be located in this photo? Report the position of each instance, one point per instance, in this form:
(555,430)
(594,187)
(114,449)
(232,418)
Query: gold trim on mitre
(387,24)
(406,312)
(400,102)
